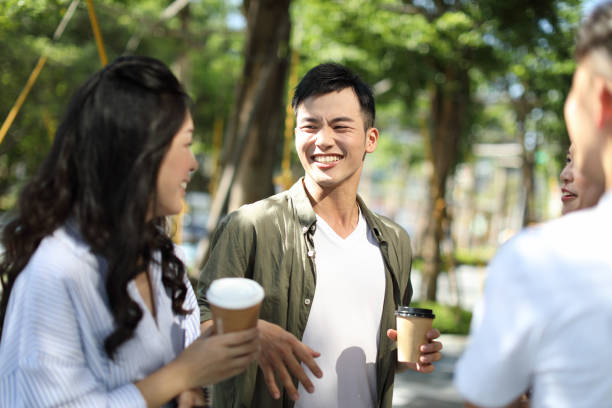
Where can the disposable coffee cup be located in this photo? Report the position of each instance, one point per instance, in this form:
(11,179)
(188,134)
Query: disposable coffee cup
(412,327)
(234,303)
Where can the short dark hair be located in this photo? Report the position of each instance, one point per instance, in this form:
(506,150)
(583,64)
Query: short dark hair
(329,77)
(595,32)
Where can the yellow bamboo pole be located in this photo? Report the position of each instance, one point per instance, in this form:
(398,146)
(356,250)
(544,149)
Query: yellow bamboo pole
(35,72)
(285,179)
(178,223)
(216,155)
(22,96)
(96,30)
(49,124)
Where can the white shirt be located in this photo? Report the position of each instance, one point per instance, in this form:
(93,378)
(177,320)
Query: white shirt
(343,324)
(545,320)
(52,351)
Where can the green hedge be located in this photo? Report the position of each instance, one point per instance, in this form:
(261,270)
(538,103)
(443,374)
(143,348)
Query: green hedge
(449,319)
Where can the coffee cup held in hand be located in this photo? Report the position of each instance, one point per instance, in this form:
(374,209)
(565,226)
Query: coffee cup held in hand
(412,327)
(234,303)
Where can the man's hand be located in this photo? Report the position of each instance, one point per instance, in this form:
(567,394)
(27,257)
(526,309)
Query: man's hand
(522,402)
(430,352)
(281,353)
(191,398)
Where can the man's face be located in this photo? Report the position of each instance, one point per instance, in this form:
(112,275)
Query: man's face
(331,140)
(581,117)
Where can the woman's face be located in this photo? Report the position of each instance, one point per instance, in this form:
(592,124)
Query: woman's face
(577,192)
(175,172)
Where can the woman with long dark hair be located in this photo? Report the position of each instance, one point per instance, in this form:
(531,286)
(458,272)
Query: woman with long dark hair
(96,306)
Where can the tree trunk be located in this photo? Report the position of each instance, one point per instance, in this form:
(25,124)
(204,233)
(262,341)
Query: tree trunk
(448,107)
(527,167)
(182,65)
(267,60)
(522,108)
(255,131)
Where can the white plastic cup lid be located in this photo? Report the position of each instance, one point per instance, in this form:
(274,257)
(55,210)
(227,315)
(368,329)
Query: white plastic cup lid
(234,293)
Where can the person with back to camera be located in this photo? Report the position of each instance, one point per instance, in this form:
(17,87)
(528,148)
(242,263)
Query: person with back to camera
(333,271)
(545,319)
(577,192)
(97,309)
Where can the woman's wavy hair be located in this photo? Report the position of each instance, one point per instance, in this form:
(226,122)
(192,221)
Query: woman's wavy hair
(102,172)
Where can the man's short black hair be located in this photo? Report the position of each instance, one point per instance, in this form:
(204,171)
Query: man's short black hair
(326,78)
(595,32)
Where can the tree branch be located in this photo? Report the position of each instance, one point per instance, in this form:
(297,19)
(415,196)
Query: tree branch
(156,26)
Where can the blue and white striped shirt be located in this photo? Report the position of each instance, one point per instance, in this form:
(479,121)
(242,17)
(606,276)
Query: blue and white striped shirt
(52,352)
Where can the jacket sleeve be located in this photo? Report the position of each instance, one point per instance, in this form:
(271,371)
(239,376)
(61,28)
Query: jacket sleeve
(232,252)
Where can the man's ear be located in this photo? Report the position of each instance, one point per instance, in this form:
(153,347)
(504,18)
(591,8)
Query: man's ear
(371,139)
(604,118)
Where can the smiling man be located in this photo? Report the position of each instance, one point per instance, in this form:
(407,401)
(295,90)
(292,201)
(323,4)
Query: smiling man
(545,320)
(333,271)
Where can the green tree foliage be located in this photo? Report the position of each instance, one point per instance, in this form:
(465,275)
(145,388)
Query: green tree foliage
(198,43)
(435,56)
(454,71)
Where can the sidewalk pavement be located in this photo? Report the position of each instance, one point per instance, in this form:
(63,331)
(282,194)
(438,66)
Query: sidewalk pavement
(435,390)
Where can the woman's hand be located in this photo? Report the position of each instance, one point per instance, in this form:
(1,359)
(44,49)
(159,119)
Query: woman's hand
(208,360)
(213,358)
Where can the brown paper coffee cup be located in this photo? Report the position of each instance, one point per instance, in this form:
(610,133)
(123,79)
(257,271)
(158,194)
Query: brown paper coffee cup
(231,320)
(412,327)
(234,303)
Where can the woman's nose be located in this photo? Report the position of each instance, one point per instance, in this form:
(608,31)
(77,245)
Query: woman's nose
(194,163)
(566,174)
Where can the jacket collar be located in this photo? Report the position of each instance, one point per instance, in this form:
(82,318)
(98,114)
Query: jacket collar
(307,216)
(302,205)
(372,221)
(308,219)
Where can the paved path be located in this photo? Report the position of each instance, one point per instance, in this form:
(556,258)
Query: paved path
(415,390)
(435,390)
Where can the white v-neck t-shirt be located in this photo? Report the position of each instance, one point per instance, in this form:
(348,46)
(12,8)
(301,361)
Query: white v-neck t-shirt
(343,324)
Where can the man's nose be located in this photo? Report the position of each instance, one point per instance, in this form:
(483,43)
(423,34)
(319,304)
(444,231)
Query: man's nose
(325,137)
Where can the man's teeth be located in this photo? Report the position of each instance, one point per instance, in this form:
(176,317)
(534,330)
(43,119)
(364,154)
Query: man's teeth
(184,185)
(327,159)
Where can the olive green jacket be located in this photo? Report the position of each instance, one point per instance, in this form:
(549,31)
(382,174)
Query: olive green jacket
(271,241)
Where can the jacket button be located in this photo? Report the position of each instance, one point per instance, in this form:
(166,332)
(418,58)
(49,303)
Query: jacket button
(306,301)
(304,229)
(311,253)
